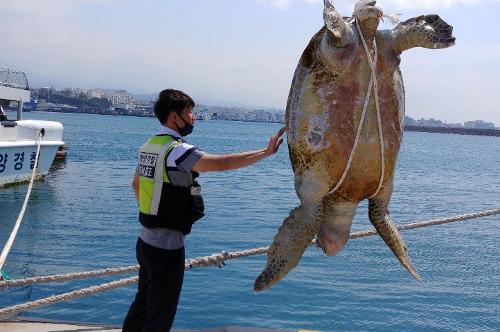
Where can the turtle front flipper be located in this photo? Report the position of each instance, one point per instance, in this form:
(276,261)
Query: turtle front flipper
(293,237)
(428,31)
(383,223)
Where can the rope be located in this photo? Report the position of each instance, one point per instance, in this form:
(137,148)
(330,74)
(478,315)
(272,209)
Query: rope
(10,311)
(371,84)
(373,77)
(10,241)
(212,260)
(68,276)
(433,222)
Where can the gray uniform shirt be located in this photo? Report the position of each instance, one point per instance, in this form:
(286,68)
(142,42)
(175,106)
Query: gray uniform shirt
(179,164)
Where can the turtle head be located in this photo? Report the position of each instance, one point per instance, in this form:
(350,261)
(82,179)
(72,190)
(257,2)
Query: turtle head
(368,13)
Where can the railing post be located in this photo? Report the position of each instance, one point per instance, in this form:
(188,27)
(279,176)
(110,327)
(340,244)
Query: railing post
(20,110)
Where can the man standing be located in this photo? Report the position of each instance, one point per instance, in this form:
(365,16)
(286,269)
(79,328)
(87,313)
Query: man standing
(169,203)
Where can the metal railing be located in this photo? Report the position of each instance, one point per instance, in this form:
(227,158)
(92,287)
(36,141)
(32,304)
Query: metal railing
(13,78)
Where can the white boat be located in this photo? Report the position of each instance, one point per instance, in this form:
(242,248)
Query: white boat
(18,138)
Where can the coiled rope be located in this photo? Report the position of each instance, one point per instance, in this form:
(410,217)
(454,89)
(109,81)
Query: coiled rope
(13,234)
(212,260)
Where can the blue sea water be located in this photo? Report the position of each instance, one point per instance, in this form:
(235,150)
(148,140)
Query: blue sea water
(83,217)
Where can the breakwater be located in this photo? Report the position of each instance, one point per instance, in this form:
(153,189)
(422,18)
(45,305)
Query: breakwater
(460,131)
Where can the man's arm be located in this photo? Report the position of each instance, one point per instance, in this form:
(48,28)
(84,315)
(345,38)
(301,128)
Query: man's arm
(209,162)
(135,185)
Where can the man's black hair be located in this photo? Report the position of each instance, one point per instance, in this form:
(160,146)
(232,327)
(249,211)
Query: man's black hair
(171,100)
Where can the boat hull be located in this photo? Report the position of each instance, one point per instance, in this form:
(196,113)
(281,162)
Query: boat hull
(18,149)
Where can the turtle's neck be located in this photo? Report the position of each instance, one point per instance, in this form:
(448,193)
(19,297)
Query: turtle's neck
(369,28)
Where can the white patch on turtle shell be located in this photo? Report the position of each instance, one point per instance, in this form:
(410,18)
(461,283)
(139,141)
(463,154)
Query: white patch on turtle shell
(318,126)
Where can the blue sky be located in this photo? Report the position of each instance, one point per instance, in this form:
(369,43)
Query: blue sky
(240,52)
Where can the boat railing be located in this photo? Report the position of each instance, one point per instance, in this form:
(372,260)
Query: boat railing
(13,78)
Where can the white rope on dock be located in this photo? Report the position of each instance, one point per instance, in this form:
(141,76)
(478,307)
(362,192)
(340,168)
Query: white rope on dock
(11,311)
(433,222)
(68,276)
(212,260)
(13,234)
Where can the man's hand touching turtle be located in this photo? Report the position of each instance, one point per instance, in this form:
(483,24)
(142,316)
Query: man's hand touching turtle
(275,142)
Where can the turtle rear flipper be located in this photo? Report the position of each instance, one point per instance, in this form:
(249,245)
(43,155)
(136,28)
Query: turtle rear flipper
(386,228)
(293,237)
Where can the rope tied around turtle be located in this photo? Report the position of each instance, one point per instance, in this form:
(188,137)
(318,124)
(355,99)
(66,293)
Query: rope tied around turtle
(372,84)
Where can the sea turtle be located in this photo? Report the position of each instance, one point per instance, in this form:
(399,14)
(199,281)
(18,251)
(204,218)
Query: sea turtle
(340,116)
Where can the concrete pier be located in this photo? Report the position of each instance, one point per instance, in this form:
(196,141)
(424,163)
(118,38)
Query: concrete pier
(34,325)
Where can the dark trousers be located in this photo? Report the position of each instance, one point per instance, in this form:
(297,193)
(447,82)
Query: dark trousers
(161,275)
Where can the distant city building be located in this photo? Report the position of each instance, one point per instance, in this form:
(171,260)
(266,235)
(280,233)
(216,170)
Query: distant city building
(96,94)
(479,124)
(453,125)
(67,93)
(430,123)
(120,98)
(45,92)
(201,112)
(410,121)
(123,103)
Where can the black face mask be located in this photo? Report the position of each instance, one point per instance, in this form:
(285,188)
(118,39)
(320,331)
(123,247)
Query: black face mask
(187,129)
